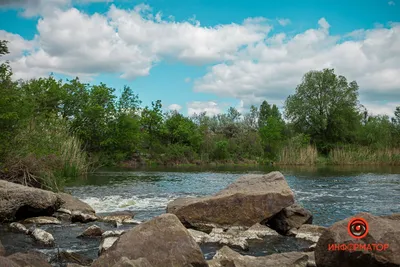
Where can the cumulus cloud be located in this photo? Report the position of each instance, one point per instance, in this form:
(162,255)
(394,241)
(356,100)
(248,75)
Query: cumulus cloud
(391,3)
(174,107)
(211,108)
(284,22)
(247,61)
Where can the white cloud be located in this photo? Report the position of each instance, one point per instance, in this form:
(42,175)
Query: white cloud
(284,22)
(211,108)
(391,3)
(174,107)
(188,80)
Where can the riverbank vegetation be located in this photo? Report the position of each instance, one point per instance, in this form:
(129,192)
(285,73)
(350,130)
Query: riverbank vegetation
(53,130)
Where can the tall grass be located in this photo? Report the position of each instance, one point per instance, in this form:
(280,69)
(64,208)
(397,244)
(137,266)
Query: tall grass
(356,155)
(45,155)
(297,155)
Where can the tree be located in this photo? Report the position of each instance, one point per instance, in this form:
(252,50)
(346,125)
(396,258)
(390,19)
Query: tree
(265,112)
(325,106)
(152,123)
(250,119)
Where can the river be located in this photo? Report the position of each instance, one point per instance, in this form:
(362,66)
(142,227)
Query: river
(331,194)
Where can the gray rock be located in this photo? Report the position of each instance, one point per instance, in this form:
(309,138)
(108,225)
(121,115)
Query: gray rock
(75,258)
(251,199)
(62,210)
(226,257)
(381,231)
(106,243)
(30,259)
(18,228)
(7,262)
(119,217)
(19,202)
(113,233)
(2,250)
(92,231)
(43,237)
(291,217)
(70,203)
(310,232)
(125,262)
(163,241)
(80,216)
(42,220)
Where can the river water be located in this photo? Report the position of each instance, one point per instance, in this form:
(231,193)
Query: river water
(331,194)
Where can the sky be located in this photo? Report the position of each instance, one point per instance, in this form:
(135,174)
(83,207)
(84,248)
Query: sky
(208,55)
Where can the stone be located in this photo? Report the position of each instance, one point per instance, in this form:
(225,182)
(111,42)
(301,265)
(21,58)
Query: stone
(18,202)
(259,231)
(73,265)
(291,217)
(113,233)
(125,262)
(119,217)
(253,198)
(226,257)
(73,257)
(106,243)
(30,259)
(2,249)
(79,216)
(18,228)
(309,232)
(231,239)
(163,241)
(381,231)
(311,260)
(92,231)
(70,203)
(65,211)
(198,236)
(43,237)
(7,262)
(42,220)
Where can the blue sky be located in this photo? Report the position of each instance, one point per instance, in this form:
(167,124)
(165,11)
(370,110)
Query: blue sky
(203,55)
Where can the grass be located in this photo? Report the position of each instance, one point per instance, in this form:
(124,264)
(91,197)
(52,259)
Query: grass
(300,155)
(356,155)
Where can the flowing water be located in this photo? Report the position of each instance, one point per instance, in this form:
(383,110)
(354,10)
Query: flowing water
(331,194)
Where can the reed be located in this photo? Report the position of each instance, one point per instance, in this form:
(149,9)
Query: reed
(357,155)
(297,155)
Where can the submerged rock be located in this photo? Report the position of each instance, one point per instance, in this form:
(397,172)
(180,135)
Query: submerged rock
(18,202)
(381,231)
(18,228)
(291,217)
(309,232)
(227,257)
(43,237)
(30,259)
(72,257)
(92,231)
(251,199)
(163,241)
(42,220)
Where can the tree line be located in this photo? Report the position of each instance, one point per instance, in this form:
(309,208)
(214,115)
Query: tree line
(52,128)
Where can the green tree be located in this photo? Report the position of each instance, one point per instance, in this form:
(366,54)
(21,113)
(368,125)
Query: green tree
(325,106)
(265,112)
(151,122)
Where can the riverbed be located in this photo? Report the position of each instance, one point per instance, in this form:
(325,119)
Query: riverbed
(331,194)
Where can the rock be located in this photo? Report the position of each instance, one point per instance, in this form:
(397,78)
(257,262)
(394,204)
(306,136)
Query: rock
(70,203)
(43,237)
(251,199)
(311,248)
(106,243)
(7,262)
(18,202)
(125,262)
(309,232)
(65,211)
(64,217)
(394,216)
(119,217)
(291,217)
(30,259)
(18,228)
(73,265)
(226,257)
(311,260)
(79,216)
(2,250)
(381,231)
(72,257)
(42,220)
(113,233)
(92,231)
(163,241)
(233,236)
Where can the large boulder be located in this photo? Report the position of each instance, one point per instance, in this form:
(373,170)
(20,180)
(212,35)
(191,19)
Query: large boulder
(381,231)
(7,262)
(226,257)
(19,202)
(163,241)
(291,217)
(30,259)
(70,203)
(251,199)
(125,262)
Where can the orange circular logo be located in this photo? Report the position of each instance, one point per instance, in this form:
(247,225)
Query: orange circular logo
(357,228)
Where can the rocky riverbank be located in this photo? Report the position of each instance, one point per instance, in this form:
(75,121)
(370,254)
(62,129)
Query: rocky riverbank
(256,209)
